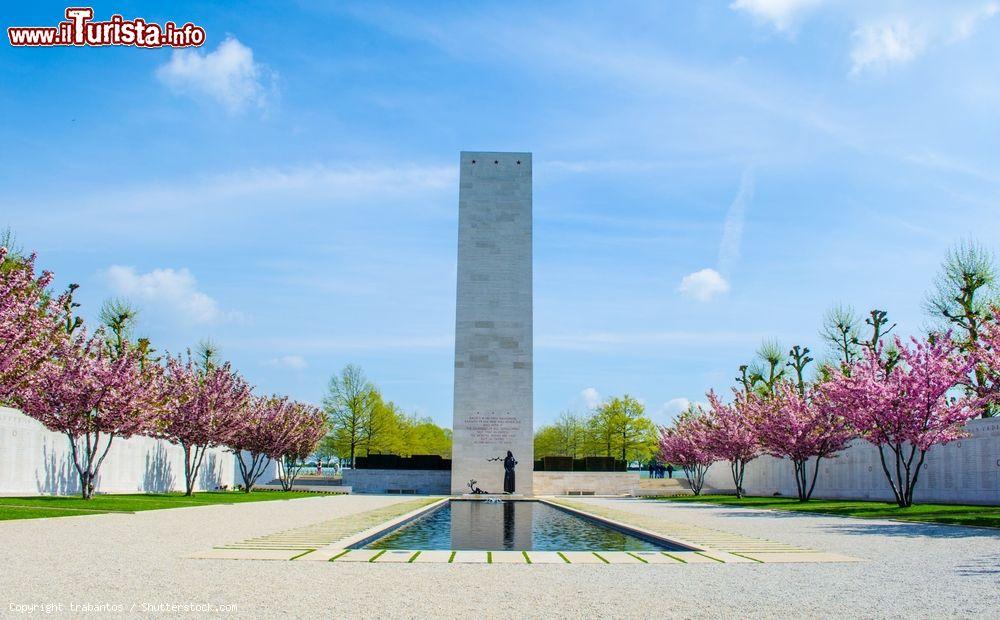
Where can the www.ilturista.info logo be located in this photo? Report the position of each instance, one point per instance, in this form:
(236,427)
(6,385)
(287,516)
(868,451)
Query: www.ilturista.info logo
(79,29)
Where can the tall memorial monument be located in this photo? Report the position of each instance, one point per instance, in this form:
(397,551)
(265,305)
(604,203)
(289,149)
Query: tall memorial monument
(493,434)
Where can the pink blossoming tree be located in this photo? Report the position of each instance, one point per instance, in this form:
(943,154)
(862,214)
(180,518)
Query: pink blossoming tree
(306,425)
(266,432)
(31,322)
(988,354)
(204,405)
(799,425)
(82,392)
(905,408)
(685,443)
(733,433)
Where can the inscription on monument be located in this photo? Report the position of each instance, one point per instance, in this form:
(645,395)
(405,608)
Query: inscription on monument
(491,428)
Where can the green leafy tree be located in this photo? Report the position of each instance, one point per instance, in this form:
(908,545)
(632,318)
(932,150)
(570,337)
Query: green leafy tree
(380,425)
(423,436)
(548,442)
(629,433)
(601,431)
(347,406)
(566,436)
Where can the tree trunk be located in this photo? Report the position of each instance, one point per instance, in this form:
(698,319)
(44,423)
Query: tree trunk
(251,471)
(289,472)
(812,486)
(737,467)
(88,464)
(193,457)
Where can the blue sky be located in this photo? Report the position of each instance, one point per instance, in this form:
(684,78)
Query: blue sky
(707,174)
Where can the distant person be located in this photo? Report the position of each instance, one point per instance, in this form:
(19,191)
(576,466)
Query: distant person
(652,468)
(670,470)
(319,467)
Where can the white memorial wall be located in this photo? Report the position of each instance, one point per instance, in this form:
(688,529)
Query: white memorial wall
(964,471)
(36,461)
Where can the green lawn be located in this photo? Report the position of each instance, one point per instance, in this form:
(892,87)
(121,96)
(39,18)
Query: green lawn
(48,506)
(956,514)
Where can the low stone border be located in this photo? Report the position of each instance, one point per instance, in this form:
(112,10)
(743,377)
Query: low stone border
(313,543)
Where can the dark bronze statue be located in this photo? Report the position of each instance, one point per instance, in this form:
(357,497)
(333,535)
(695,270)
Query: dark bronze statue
(509,462)
(508,473)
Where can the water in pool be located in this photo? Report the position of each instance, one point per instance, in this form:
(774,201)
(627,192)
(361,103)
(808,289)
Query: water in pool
(514,525)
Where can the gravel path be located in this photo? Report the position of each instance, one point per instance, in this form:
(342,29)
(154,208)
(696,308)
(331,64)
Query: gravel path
(911,570)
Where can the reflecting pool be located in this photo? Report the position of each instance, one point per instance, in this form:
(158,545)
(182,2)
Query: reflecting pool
(511,525)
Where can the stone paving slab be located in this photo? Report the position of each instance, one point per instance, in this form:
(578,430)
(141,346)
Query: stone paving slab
(619,557)
(508,557)
(692,557)
(394,556)
(545,557)
(727,558)
(324,554)
(434,556)
(469,557)
(359,555)
(582,557)
(655,557)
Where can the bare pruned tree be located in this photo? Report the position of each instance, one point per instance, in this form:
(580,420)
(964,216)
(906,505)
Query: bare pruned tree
(964,292)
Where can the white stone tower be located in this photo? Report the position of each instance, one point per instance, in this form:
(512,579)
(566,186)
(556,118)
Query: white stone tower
(493,327)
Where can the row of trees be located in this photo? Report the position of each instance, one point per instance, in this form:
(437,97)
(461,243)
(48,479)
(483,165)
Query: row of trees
(362,421)
(96,387)
(901,396)
(617,427)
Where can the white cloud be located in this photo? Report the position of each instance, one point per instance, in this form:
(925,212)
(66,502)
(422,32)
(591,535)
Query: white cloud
(228,75)
(674,407)
(894,40)
(966,23)
(703,285)
(591,397)
(296,362)
(877,47)
(782,14)
(168,288)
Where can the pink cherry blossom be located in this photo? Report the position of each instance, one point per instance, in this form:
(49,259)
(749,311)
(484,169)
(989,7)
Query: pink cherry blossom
(82,392)
(988,355)
(733,433)
(685,443)
(307,426)
(906,408)
(273,427)
(203,408)
(31,323)
(801,425)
